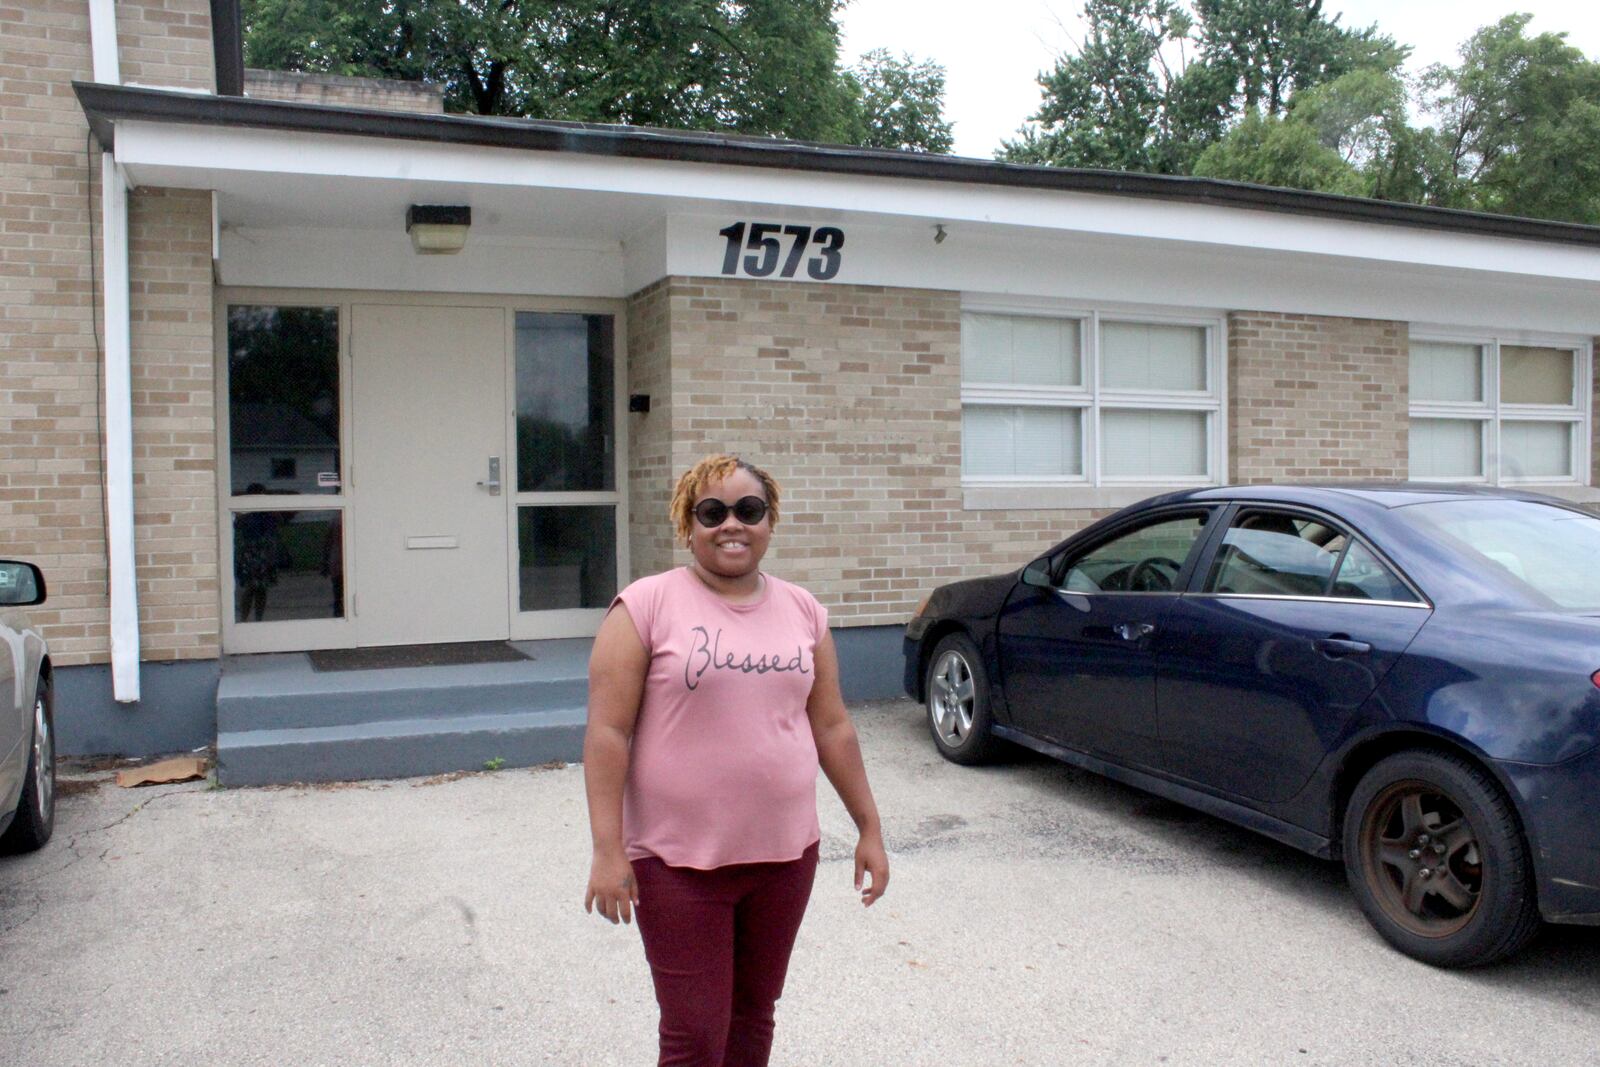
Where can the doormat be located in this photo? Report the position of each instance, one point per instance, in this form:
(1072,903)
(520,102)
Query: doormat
(455,654)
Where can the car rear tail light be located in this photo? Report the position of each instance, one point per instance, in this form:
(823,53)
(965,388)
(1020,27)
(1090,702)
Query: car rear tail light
(1595,678)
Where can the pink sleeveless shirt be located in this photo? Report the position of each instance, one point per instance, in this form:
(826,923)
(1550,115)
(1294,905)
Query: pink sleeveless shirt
(723,767)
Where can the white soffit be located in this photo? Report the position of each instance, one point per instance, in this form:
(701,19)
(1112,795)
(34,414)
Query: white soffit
(167,154)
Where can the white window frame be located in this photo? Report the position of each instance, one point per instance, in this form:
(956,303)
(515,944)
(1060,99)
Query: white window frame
(1092,488)
(1493,413)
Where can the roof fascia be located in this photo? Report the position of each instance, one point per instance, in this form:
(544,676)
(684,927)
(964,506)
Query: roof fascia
(106,105)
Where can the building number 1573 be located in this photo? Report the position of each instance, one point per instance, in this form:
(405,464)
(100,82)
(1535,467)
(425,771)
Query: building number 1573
(765,244)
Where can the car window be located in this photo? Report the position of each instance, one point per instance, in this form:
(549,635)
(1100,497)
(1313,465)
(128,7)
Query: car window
(1145,560)
(1362,576)
(1545,548)
(1275,553)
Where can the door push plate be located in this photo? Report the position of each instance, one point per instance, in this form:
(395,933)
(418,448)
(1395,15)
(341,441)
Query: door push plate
(492,483)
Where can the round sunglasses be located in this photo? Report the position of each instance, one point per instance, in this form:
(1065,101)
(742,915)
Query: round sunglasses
(712,513)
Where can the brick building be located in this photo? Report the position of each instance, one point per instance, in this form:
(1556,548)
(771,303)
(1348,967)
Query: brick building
(243,413)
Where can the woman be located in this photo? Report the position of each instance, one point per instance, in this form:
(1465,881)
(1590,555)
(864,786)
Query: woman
(713,698)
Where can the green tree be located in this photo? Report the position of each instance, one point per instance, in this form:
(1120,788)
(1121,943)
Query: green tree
(1154,85)
(900,103)
(743,66)
(1107,106)
(1518,125)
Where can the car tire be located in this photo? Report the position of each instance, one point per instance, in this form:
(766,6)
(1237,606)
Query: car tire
(36,807)
(957,689)
(1437,860)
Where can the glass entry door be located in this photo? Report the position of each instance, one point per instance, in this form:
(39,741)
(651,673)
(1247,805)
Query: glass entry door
(566,505)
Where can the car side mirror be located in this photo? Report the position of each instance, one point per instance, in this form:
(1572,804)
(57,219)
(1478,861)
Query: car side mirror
(21,584)
(1037,574)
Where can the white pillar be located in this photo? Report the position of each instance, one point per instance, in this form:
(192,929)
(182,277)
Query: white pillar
(119,437)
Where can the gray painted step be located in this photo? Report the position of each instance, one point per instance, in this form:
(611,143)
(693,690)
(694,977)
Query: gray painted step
(399,748)
(278,720)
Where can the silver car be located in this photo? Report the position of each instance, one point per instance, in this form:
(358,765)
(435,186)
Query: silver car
(27,730)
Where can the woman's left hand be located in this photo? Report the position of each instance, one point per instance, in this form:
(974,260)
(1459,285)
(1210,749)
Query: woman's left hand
(871,859)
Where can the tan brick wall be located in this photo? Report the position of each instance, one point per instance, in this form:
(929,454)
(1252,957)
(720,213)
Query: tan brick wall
(850,396)
(166,43)
(1313,397)
(50,472)
(382,93)
(650,462)
(174,434)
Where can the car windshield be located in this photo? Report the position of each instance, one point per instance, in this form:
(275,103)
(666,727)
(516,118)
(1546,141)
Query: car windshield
(1552,550)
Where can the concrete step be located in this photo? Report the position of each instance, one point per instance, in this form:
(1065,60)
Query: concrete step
(278,720)
(399,748)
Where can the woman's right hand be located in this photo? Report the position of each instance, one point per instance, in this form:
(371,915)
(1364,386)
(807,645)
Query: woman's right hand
(612,886)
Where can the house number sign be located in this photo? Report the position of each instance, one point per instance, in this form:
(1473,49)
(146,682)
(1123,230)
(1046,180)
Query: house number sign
(762,249)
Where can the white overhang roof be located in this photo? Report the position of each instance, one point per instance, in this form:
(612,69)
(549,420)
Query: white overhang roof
(313,166)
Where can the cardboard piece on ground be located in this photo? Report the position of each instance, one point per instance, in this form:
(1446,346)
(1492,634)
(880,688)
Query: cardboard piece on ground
(181,769)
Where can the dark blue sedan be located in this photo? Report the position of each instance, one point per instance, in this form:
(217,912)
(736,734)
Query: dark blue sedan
(1406,678)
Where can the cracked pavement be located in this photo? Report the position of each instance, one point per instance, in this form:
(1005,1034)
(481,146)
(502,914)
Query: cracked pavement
(1037,915)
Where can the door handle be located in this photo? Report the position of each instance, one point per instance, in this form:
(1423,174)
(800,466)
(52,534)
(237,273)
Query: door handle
(492,483)
(1133,631)
(1341,645)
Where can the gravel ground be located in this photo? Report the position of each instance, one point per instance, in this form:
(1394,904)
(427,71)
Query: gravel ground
(1037,915)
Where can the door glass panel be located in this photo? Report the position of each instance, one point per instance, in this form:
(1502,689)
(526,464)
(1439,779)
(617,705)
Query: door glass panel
(283,399)
(1362,576)
(565,438)
(1269,553)
(1147,560)
(566,557)
(288,565)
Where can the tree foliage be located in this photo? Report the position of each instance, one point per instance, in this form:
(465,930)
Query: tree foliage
(1276,93)
(743,66)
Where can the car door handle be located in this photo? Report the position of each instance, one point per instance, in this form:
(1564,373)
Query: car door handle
(1340,645)
(1132,631)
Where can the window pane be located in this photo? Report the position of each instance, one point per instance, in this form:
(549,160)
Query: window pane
(1446,448)
(1138,355)
(1535,449)
(567,557)
(1270,553)
(998,440)
(1153,443)
(564,403)
(1144,561)
(1531,375)
(1546,548)
(1363,577)
(283,399)
(288,565)
(1447,372)
(1020,350)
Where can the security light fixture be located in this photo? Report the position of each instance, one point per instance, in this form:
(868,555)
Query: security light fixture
(939,233)
(438,229)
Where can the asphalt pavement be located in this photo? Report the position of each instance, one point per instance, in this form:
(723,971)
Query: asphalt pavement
(1036,915)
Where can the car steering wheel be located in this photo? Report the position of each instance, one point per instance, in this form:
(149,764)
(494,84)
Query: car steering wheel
(1149,575)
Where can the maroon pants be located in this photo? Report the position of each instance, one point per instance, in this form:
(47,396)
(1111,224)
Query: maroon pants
(718,943)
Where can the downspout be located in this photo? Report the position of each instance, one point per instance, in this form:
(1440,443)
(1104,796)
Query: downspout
(119,383)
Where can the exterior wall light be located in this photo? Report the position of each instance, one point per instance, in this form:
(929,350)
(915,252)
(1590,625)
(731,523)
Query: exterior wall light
(438,229)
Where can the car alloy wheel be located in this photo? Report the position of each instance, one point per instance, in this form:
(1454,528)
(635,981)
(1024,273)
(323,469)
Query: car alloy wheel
(1436,858)
(44,762)
(1422,859)
(958,701)
(952,697)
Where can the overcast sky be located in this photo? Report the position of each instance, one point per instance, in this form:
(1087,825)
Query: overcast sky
(992,59)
